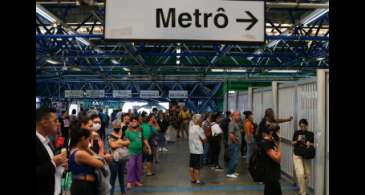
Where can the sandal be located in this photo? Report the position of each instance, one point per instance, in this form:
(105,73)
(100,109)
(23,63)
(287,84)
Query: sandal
(129,186)
(139,184)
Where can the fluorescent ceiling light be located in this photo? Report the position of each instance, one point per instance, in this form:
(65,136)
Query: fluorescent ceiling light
(177,61)
(82,40)
(315,16)
(115,62)
(231,92)
(283,71)
(126,69)
(228,70)
(217,70)
(52,61)
(237,70)
(98,50)
(45,15)
(178,50)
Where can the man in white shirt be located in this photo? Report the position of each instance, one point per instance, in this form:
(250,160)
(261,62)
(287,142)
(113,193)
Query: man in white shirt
(196,139)
(49,167)
(216,141)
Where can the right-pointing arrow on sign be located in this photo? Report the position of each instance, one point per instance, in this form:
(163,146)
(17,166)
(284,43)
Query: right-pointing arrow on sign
(253,20)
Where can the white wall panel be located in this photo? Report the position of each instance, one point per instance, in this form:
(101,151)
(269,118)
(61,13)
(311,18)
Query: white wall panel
(287,165)
(257,106)
(267,100)
(232,105)
(307,108)
(327,132)
(242,101)
(287,108)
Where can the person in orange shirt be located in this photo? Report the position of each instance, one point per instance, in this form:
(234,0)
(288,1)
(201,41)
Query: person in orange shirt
(249,129)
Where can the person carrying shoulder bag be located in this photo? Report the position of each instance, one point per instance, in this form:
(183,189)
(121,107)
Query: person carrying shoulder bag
(303,141)
(119,151)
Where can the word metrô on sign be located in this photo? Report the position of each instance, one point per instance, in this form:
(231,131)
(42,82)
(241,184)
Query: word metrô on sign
(185,19)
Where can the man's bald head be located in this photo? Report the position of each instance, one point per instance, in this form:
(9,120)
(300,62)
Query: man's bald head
(236,116)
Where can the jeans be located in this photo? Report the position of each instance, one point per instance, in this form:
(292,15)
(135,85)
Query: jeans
(117,169)
(161,140)
(234,156)
(206,152)
(250,149)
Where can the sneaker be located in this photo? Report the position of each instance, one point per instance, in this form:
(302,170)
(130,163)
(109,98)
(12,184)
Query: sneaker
(236,174)
(218,168)
(165,149)
(200,182)
(160,149)
(231,176)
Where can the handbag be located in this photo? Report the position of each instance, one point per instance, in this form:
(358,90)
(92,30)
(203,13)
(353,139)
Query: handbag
(120,154)
(305,152)
(309,152)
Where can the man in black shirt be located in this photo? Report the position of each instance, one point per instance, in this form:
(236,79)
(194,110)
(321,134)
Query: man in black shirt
(224,126)
(164,124)
(302,140)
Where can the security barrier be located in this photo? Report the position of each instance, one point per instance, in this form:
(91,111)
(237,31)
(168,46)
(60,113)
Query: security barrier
(307,99)
(262,98)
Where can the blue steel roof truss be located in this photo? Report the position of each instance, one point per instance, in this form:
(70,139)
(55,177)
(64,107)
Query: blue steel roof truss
(298,50)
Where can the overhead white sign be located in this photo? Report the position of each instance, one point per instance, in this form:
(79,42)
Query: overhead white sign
(95,93)
(74,93)
(203,20)
(149,94)
(178,94)
(122,93)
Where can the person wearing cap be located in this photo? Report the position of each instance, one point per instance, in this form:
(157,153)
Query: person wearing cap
(271,160)
(249,128)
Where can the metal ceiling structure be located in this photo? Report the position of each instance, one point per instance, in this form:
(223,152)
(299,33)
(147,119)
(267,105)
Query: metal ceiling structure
(71,51)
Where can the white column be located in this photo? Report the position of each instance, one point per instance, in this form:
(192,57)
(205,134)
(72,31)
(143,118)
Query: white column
(327,133)
(320,137)
(250,99)
(275,85)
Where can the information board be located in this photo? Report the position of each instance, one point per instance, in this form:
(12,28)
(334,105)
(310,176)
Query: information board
(201,20)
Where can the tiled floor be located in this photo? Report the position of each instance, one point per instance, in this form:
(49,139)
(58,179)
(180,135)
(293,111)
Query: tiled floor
(172,178)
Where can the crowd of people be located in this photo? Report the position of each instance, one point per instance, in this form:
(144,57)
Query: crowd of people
(82,145)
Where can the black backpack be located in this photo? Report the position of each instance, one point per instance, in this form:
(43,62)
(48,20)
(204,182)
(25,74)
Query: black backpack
(257,165)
